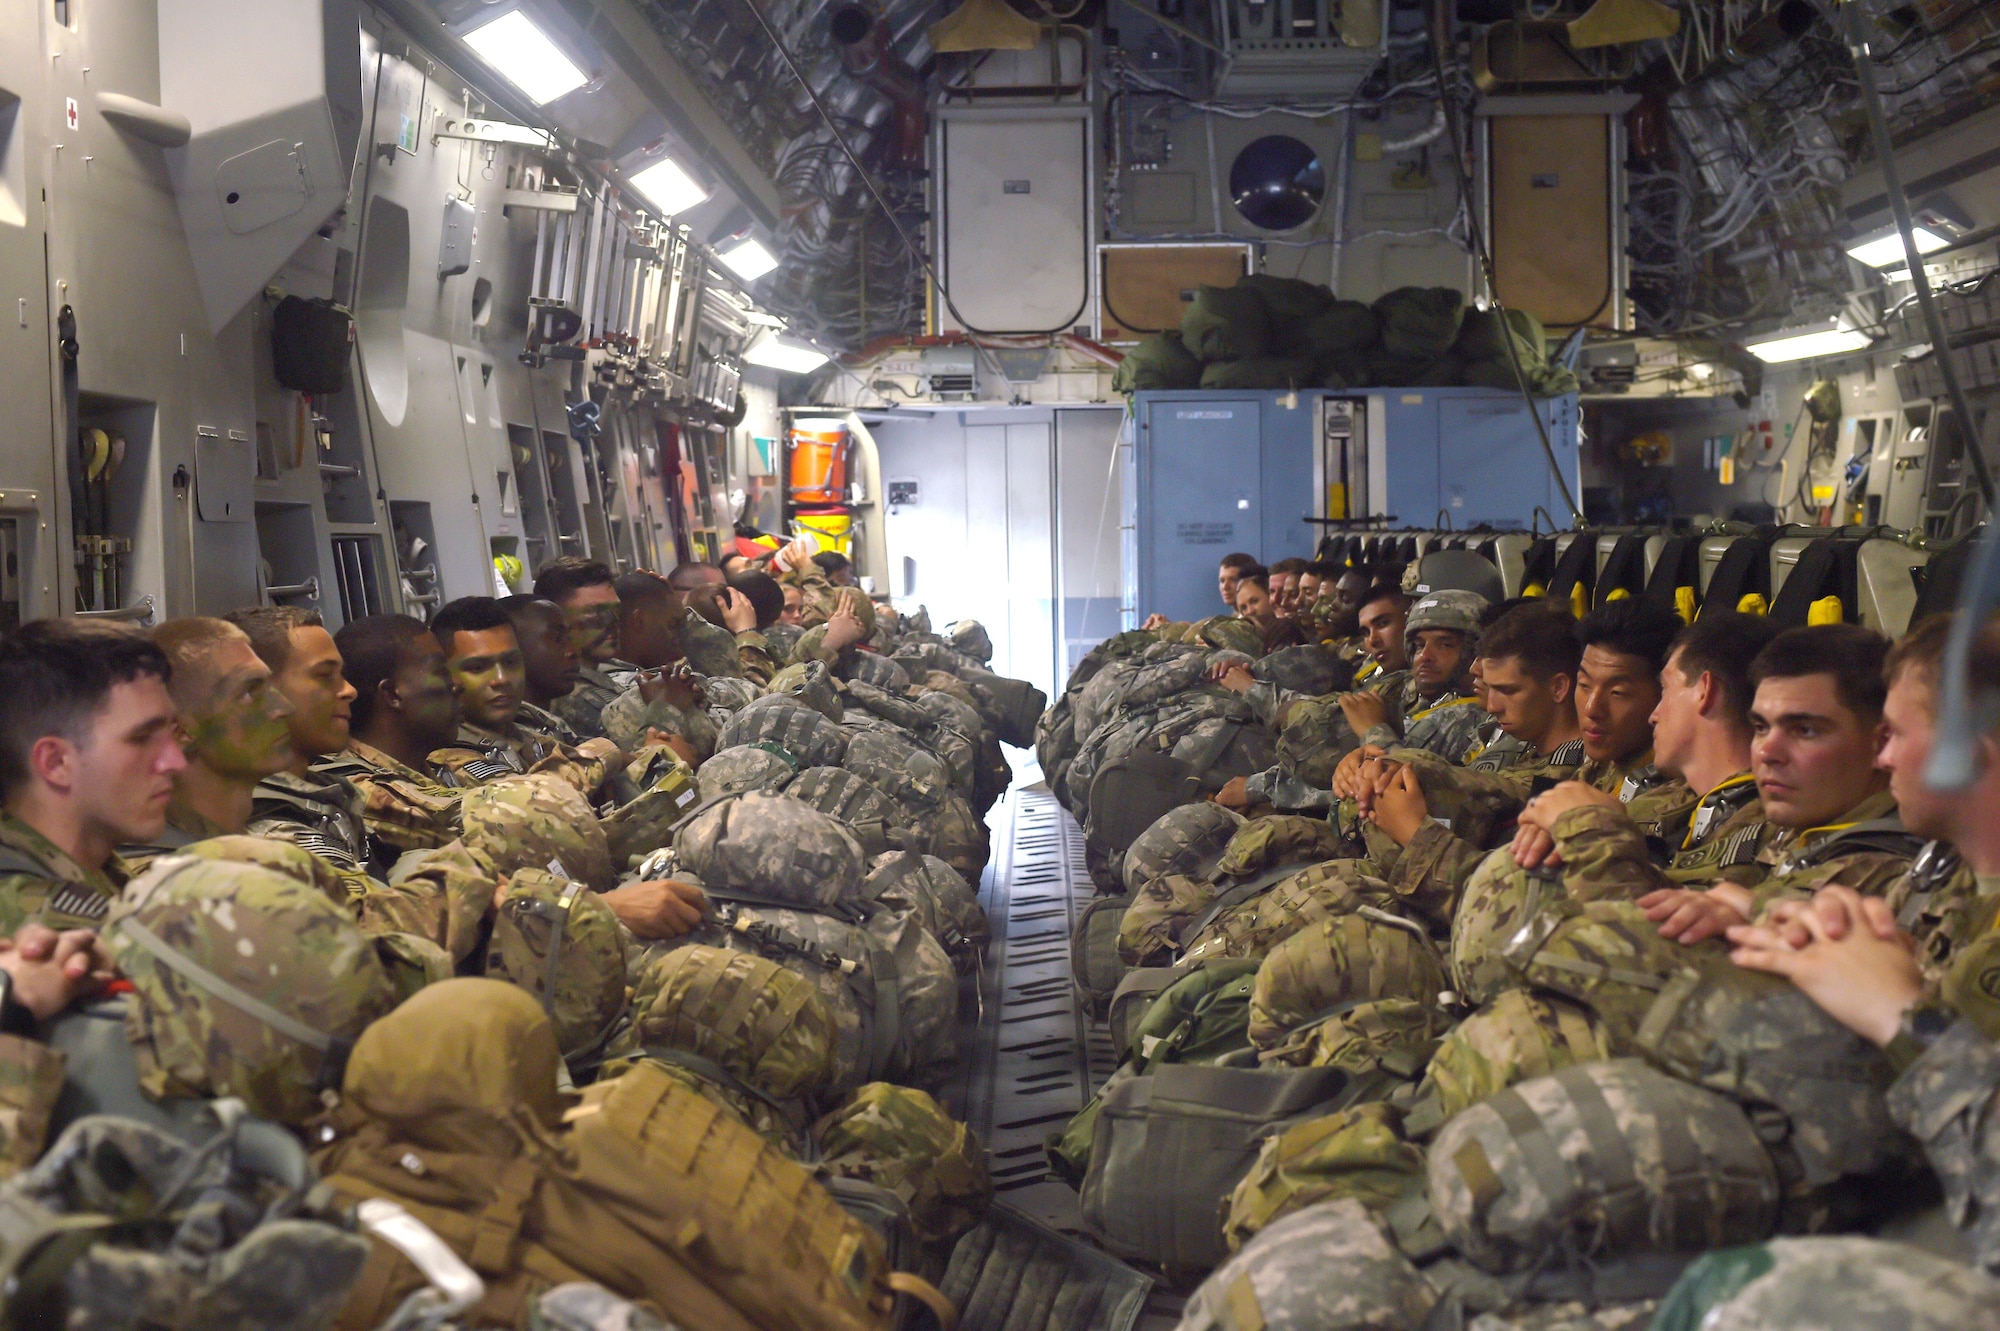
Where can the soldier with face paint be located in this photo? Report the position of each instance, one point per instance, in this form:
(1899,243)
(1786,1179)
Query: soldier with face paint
(403,709)
(489,673)
(551,665)
(235,730)
(585,592)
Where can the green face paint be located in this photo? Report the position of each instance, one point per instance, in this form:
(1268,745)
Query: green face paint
(242,732)
(488,674)
(593,623)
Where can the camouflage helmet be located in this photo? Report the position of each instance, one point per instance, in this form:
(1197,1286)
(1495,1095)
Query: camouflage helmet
(246,982)
(970,636)
(552,930)
(812,684)
(863,810)
(1279,1282)
(1600,1160)
(749,1016)
(1809,1283)
(1310,670)
(785,721)
(898,1138)
(746,767)
(774,848)
(1228,633)
(628,717)
(521,822)
(874,668)
(1448,609)
(1187,840)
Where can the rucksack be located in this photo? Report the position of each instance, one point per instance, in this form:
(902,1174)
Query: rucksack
(1167,1147)
(1598,1161)
(1328,1267)
(772,848)
(785,721)
(1013,1273)
(1093,953)
(1344,960)
(450,1108)
(898,1138)
(877,824)
(901,769)
(1359,1152)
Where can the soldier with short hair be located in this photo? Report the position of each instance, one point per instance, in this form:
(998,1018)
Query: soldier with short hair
(1435,708)
(550,664)
(235,724)
(484,661)
(89,754)
(404,708)
(585,592)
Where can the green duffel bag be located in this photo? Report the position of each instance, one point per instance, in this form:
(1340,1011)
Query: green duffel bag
(1287,298)
(1420,322)
(1093,953)
(1258,372)
(1341,329)
(1484,336)
(1202,1017)
(1169,1147)
(1359,1152)
(1226,323)
(1159,361)
(1800,1284)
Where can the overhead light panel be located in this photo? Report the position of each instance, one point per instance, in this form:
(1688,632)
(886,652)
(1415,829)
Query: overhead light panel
(522,54)
(670,188)
(750,260)
(1823,339)
(1885,250)
(777,353)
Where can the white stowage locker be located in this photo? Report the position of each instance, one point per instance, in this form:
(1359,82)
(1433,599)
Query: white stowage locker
(1014,218)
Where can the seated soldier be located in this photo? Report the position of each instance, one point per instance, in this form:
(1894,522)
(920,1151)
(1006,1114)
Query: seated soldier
(311,809)
(235,726)
(795,601)
(403,709)
(834,567)
(1916,972)
(1380,614)
(1435,709)
(1256,606)
(589,602)
(1284,580)
(484,662)
(1229,573)
(88,757)
(551,666)
(1702,736)
(708,635)
(749,604)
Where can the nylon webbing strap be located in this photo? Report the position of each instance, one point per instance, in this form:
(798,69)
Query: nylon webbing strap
(1616,1173)
(558,933)
(1238,894)
(1598,971)
(203,978)
(888,1017)
(1538,1149)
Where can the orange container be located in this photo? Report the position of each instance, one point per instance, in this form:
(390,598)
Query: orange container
(819,450)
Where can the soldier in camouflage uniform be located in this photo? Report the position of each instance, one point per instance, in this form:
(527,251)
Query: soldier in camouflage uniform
(316,810)
(1918,971)
(404,708)
(551,667)
(484,661)
(88,759)
(1436,709)
(583,589)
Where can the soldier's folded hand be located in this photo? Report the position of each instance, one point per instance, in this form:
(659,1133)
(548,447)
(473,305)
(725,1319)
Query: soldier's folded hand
(1688,916)
(1534,848)
(1234,677)
(51,970)
(1863,981)
(1155,620)
(1364,710)
(659,908)
(1832,909)
(1400,808)
(1347,776)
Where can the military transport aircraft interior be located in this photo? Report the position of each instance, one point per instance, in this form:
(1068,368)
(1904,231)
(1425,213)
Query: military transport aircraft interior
(999,665)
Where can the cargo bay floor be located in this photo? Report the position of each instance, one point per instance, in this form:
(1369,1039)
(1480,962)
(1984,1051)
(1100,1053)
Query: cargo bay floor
(1031,1056)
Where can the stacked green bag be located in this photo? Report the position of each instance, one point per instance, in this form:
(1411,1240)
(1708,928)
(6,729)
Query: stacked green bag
(1483,346)
(1159,361)
(1226,323)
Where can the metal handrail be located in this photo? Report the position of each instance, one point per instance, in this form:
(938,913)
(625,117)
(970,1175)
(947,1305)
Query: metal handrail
(142,613)
(308,589)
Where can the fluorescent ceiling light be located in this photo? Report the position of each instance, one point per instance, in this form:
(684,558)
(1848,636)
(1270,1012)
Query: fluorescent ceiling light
(1885,250)
(523,55)
(750,260)
(1790,344)
(776,353)
(671,189)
